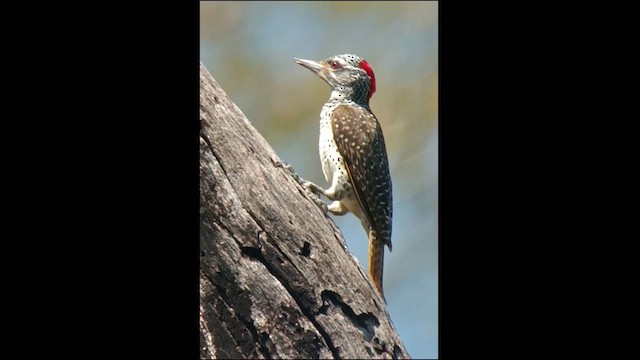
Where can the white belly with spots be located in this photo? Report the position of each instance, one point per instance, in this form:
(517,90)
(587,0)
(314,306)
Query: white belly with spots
(332,163)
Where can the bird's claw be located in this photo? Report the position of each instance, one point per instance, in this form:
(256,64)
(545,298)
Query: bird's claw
(289,168)
(282,164)
(310,188)
(316,199)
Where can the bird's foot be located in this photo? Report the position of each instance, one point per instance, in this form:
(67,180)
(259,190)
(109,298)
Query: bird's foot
(310,188)
(288,168)
(316,199)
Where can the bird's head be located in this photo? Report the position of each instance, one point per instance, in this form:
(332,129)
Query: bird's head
(350,76)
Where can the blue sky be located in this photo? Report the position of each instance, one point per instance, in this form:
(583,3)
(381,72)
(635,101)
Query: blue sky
(249,47)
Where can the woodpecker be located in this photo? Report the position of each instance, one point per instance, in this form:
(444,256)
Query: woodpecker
(353,153)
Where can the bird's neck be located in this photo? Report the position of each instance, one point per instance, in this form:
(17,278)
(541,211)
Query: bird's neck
(344,94)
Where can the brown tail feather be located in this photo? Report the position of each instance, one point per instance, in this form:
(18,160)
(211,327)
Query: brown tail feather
(376,261)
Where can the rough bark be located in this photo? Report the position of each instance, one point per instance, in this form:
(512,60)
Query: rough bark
(276,278)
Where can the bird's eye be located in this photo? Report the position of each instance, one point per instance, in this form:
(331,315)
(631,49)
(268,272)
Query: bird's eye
(334,64)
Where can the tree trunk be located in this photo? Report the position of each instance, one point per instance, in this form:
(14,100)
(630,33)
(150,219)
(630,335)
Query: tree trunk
(276,278)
